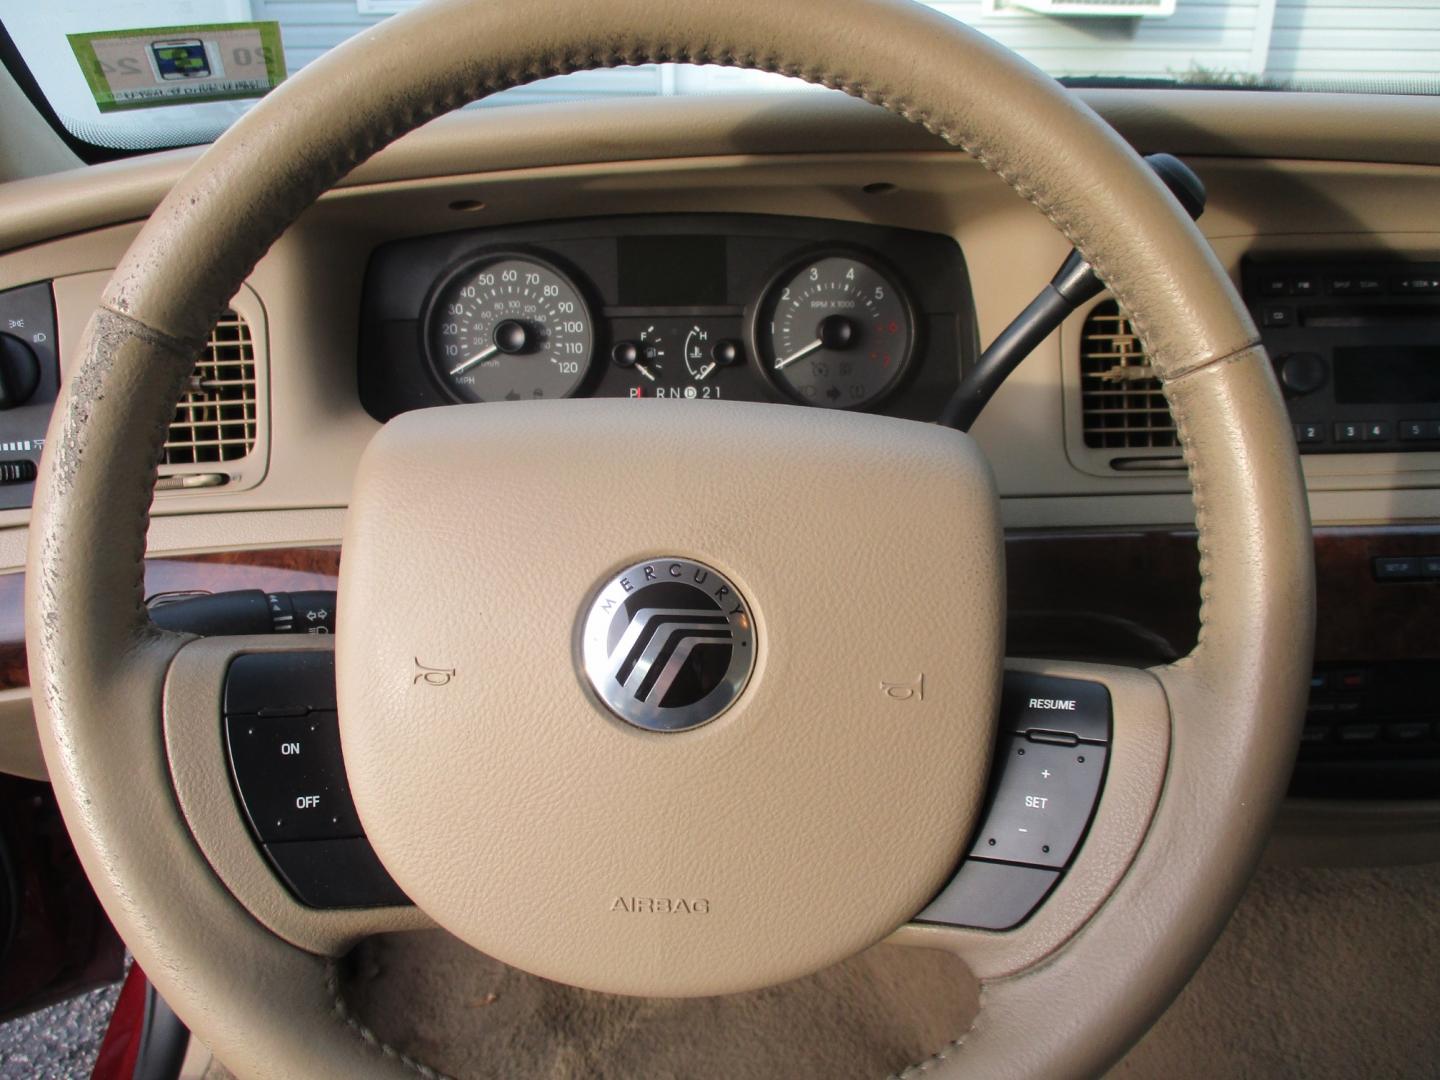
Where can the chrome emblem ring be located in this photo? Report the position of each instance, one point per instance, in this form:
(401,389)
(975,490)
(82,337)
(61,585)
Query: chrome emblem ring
(668,644)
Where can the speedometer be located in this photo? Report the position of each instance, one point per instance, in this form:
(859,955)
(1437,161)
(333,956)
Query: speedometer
(509,327)
(835,331)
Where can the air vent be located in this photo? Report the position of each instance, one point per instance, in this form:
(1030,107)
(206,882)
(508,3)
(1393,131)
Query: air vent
(216,420)
(1120,398)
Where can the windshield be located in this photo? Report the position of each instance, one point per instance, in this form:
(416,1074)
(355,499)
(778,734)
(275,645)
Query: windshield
(143,74)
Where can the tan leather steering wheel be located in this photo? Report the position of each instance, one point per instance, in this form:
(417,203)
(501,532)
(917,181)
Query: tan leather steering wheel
(525,751)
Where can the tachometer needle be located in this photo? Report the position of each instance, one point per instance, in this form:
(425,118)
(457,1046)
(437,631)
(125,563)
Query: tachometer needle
(798,354)
(479,358)
(645,371)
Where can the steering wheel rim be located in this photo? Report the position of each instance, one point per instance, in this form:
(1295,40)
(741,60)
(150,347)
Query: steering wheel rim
(100,668)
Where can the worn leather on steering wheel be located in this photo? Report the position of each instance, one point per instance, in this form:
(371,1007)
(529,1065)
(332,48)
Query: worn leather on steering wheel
(267,1008)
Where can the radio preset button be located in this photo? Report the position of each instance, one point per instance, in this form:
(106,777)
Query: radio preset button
(1379,431)
(1397,567)
(1310,433)
(1348,431)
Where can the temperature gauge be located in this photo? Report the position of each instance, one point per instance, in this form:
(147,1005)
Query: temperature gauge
(679,358)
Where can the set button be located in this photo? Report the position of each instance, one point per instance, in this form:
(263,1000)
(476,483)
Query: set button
(1042,804)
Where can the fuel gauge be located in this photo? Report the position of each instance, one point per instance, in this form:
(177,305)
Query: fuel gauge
(645,354)
(686,358)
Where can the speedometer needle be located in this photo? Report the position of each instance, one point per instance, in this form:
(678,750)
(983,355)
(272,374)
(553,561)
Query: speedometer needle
(479,358)
(799,354)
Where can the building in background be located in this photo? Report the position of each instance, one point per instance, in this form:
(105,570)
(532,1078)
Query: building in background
(1374,45)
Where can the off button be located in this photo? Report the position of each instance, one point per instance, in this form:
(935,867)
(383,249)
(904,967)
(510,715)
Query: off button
(291,777)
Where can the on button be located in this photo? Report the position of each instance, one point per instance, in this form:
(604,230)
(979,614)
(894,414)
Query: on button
(291,777)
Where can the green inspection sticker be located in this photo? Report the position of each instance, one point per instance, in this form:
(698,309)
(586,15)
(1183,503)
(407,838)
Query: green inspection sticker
(177,65)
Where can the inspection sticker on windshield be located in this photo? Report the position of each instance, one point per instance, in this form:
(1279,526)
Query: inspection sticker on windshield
(177,65)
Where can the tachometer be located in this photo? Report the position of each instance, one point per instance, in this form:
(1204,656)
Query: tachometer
(835,332)
(509,327)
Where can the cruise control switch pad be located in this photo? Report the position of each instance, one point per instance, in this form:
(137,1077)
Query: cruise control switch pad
(283,739)
(1049,768)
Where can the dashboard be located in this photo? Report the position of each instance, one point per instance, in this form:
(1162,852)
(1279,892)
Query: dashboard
(826,314)
(392,294)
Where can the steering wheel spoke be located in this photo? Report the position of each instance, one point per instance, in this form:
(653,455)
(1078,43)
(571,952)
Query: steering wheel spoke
(1080,758)
(260,783)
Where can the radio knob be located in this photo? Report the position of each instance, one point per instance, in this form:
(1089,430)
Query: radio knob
(1303,373)
(19,372)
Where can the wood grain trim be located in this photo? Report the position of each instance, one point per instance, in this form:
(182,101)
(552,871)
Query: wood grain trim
(1133,595)
(1113,595)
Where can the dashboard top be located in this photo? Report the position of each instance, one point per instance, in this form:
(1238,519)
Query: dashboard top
(1230,123)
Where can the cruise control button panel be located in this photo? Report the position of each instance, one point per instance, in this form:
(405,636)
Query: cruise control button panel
(282,734)
(291,776)
(1049,769)
(1042,802)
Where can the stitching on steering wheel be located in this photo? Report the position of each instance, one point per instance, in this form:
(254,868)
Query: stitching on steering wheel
(1181,414)
(943,1054)
(332,986)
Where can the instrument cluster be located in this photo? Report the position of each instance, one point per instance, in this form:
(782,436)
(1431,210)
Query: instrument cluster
(819,313)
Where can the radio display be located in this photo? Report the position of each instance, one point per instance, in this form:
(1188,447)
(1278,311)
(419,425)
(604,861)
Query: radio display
(1387,375)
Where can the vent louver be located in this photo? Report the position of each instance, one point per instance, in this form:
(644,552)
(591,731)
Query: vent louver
(216,419)
(1121,401)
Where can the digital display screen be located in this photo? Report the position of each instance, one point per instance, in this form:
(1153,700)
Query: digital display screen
(1387,375)
(672,271)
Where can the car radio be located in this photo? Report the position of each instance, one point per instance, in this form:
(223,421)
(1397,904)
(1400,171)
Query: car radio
(1356,346)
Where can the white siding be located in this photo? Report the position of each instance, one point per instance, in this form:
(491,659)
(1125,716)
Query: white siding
(1303,40)
(1214,35)
(310,27)
(1341,40)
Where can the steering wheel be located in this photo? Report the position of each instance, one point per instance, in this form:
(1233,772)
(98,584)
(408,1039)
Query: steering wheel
(816,814)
